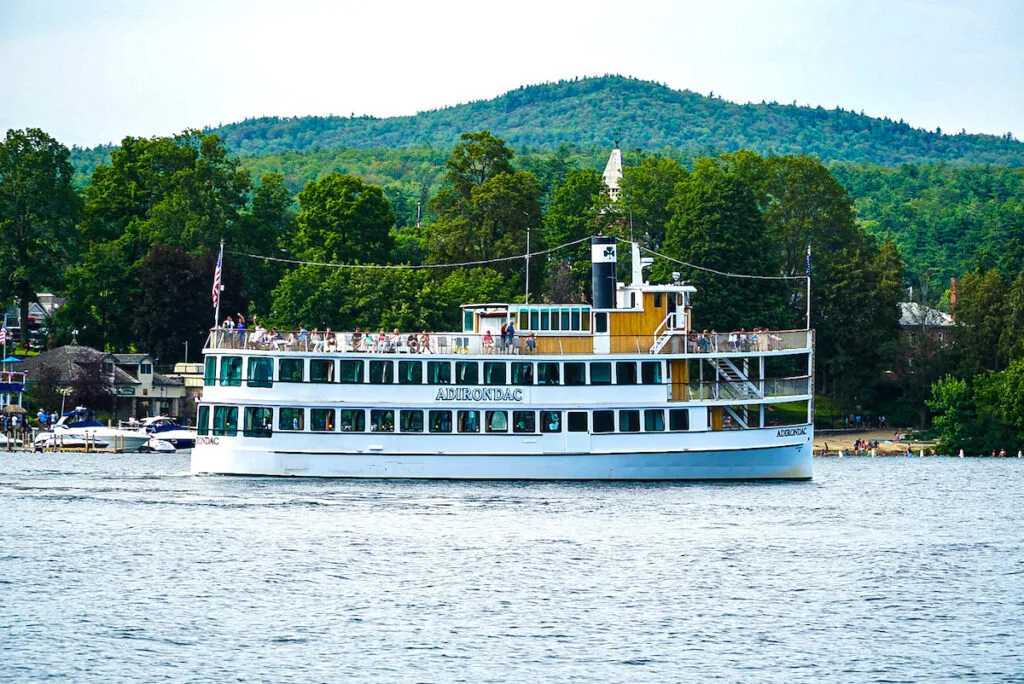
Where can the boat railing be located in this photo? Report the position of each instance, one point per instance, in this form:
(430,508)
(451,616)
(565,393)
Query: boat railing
(746,390)
(12,378)
(548,342)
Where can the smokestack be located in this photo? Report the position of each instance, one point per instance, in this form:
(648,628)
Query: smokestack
(602,259)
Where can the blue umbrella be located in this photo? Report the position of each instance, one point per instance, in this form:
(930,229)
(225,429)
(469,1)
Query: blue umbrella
(12,359)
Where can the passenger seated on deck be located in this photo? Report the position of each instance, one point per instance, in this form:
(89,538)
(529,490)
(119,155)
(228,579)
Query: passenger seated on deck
(412,343)
(425,343)
(488,343)
(382,342)
(531,343)
(357,340)
(394,341)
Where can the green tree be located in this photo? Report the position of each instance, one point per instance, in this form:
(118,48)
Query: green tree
(715,224)
(38,209)
(979,316)
(173,302)
(1011,339)
(341,219)
(644,196)
(573,214)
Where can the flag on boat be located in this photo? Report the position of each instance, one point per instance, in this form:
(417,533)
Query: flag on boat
(216,277)
(808,261)
(3,332)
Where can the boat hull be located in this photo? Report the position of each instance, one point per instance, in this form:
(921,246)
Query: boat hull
(789,461)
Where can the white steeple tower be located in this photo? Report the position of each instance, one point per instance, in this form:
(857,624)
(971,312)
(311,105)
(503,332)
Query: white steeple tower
(613,172)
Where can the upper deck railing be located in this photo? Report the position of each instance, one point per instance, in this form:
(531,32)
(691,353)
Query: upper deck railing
(12,378)
(478,343)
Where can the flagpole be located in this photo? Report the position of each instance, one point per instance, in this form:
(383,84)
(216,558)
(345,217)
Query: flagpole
(217,286)
(808,287)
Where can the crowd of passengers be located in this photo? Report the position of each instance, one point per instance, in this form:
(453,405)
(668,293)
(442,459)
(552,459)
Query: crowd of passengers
(758,339)
(236,334)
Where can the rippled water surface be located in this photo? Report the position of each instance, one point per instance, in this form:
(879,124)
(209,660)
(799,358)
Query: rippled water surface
(117,567)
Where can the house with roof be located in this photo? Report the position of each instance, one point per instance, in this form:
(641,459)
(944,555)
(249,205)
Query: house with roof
(137,387)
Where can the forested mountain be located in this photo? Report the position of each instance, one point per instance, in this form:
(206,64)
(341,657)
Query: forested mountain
(597,111)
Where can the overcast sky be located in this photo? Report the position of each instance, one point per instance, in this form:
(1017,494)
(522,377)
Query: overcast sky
(93,72)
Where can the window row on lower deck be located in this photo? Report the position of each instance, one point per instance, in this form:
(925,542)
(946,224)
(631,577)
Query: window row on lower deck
(262,421)
(263,371)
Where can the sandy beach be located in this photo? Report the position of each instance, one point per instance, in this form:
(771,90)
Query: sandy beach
(887,444)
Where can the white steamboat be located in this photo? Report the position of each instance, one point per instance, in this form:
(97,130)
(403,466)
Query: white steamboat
(621,390)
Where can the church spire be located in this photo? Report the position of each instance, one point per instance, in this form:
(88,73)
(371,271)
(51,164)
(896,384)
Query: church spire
(613,172)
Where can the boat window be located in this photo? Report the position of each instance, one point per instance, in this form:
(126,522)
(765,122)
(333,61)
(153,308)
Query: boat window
(439,372)
(352,420)
(629,421)
(577,421)
(497,421)
(261,371)
(467,321)
(585,315)
(604,421)
(654,420)
(469,421)
(410,421)
(225,420)
(494,372)
(575,373)
(575,319)
(551,421)
(259,422)
(565,320)
(522,373)
(679,420)
(524,320)
(657,300)
(210,371)
(535,320)
(321,420)
(650,372)
(524,421)
(293,419)
(321,370)
(351,372)
(382,372)
(410,373)
(467,372)
(601,373)
(601,323)
(203,421)
(382,420)
(625,373)
(547,373)
(545,320)
(231,371)
(289,370)
(440,421)
(554,319)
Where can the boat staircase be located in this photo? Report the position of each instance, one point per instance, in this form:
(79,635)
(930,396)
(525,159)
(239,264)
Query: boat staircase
(668,329)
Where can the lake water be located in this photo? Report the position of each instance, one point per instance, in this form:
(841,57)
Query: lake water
(124,568)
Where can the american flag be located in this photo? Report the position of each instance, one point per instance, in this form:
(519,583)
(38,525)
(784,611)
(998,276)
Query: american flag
(216,277)
(3,333)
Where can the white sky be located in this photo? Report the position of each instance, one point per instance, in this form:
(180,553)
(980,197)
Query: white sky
(94,71)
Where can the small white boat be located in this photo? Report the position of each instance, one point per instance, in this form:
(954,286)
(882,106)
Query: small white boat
(168,430)
(128,440)
(159,446)
(64,439)
(5,441)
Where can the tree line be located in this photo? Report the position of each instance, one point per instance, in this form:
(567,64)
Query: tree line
(134,250)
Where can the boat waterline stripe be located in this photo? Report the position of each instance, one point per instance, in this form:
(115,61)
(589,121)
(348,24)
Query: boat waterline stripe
(545,454)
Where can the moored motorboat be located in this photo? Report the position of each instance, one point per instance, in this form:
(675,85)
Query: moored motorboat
(77,424)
